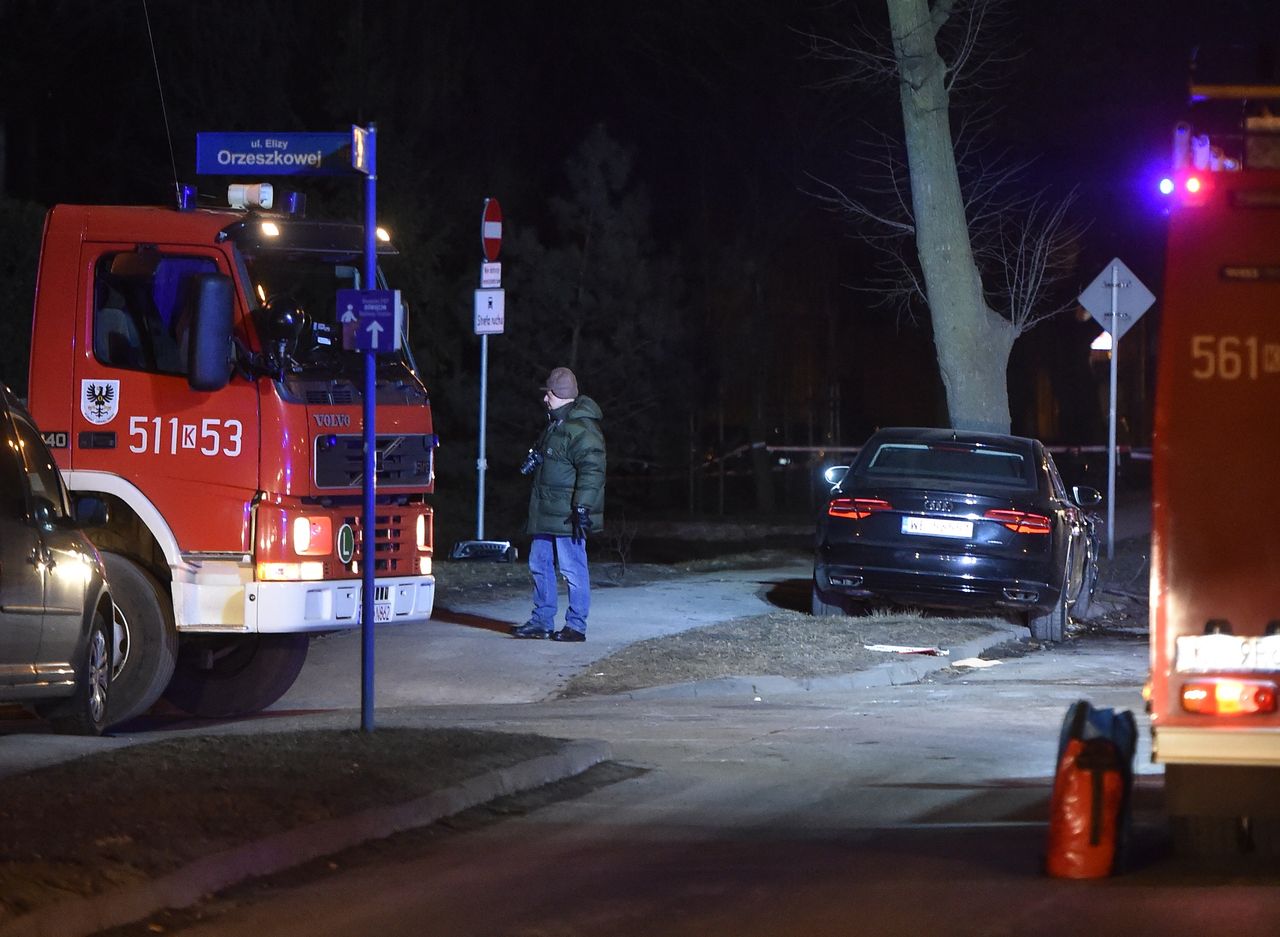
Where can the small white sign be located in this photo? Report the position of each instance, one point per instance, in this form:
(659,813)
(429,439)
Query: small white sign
(490,312)
(490,276)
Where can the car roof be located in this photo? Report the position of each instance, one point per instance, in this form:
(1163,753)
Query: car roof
(925,434)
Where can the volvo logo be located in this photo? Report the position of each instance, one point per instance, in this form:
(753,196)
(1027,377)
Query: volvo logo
(331,420)
(938,505)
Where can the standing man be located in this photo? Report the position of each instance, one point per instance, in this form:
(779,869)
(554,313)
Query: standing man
(567,503)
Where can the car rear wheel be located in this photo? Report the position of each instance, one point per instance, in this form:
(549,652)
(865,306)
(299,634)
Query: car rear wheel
(827,605)
(85,713)
(1049,624)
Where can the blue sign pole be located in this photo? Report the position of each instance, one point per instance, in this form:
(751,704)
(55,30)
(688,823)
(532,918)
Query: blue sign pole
(368,155)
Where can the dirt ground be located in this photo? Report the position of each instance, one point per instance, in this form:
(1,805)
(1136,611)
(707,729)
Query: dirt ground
(116,825)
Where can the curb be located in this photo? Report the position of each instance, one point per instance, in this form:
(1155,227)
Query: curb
(909,668)
(83,916)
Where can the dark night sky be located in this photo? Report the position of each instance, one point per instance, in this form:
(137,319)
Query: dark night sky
(716,97)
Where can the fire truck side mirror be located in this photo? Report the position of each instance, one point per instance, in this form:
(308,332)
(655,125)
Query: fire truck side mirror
(210,360)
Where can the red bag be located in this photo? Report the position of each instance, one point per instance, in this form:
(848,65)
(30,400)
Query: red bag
(1086,810)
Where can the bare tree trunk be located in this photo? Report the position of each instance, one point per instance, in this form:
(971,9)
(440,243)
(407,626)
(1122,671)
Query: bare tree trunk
(973,343)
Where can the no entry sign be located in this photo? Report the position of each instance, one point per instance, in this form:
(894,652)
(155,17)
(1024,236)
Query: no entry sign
(491,229)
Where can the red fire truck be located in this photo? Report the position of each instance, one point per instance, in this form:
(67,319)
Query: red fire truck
(188,366)
(1215,588)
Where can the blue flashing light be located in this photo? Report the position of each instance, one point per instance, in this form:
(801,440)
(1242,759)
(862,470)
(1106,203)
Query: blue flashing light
(294,203)
(187,197)
(1166,186)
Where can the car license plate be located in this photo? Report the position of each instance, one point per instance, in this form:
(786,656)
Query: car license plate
(937,527)
(1205,652)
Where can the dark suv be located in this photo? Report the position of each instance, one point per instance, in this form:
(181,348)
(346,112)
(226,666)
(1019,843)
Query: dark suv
(57,638)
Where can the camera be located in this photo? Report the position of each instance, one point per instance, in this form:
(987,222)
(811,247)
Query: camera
(531,462)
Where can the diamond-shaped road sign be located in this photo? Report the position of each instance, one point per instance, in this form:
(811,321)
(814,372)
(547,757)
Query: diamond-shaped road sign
(1116,284)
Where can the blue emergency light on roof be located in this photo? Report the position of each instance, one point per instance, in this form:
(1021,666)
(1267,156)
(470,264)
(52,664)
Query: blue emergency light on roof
(1166,186)
(187,197)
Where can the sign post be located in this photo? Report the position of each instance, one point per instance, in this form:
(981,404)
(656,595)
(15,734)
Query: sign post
(364,158)
(489,319)
(1116,299)
(371,318)
(490,244)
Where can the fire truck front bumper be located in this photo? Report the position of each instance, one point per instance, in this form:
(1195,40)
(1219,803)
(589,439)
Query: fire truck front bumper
(291,607)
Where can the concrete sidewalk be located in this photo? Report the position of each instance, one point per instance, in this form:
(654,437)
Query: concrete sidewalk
(465,653)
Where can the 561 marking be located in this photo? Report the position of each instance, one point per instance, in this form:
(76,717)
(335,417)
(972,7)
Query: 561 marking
(1233,357)
(210,437)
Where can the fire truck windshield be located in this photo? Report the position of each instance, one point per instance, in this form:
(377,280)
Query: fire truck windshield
(309,282)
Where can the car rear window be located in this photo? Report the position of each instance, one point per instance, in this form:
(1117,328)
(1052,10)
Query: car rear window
(952,462)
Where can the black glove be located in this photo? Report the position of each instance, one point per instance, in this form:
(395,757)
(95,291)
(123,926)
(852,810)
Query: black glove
(581,520)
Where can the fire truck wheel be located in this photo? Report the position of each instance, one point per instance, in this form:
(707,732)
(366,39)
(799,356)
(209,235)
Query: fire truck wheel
(233,676)
(1050,624)
(1201,837)
(147,647)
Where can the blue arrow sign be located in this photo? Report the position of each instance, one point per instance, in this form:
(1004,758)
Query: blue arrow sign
(371,320)
(274,154)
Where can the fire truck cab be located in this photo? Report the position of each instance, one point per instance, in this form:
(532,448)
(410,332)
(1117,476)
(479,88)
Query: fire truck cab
(188,366)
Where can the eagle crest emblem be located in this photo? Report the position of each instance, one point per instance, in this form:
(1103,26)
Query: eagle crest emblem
(99,401)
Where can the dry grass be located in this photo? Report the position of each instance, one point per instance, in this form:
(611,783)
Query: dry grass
(782,643)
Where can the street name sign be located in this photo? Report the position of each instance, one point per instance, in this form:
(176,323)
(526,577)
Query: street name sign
(273,154)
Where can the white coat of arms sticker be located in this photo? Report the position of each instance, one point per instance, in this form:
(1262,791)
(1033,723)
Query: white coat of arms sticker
(99,401)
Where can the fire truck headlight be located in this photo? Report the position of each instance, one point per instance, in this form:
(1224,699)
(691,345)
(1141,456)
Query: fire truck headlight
(422,532)
(312,536)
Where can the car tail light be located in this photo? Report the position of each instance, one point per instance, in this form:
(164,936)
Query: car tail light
(1229,697)
(856,508)
(1021,522)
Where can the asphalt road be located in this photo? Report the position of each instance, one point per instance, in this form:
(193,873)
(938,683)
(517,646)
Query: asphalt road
(913,810)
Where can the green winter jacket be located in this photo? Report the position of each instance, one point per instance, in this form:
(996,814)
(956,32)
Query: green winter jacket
(572,469)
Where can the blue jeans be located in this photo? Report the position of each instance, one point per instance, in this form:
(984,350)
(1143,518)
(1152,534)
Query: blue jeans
(544,552)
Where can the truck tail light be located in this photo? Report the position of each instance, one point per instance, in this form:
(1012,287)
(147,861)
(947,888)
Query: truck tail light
(856,508)
(1021,522)
(1221,696)
(312,536)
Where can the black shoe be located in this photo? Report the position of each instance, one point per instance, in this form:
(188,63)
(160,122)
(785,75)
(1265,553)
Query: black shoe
(568,634)
(531,629)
